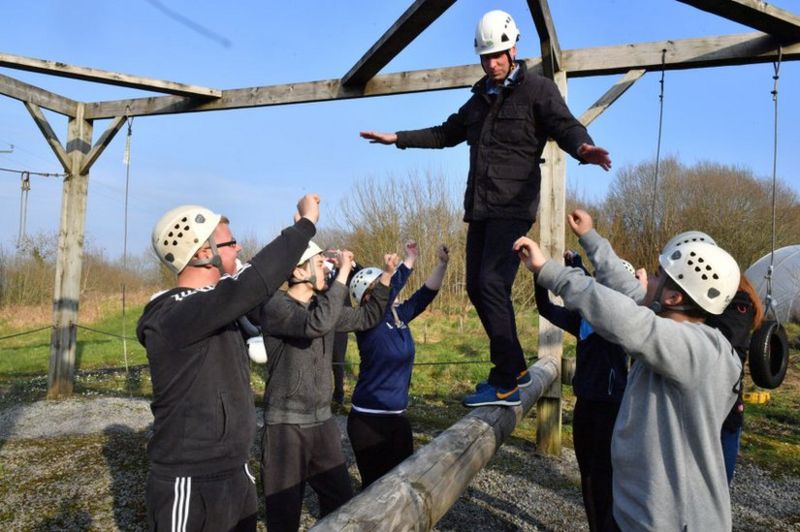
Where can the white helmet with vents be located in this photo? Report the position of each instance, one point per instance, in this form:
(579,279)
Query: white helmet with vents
(707,273)
(496,32)
(312,250)
(686,237)
(361,281)
(181,232)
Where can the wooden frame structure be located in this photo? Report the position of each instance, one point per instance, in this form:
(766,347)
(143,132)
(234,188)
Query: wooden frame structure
(778,34)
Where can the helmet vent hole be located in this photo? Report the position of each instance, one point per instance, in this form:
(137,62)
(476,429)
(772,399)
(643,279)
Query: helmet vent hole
(184,219)
(704,277)
(690,262)
(693,254)
(697,268)
(170,234)
(180,235)
(174,242)
(715,276)
(712,293)
(680,276)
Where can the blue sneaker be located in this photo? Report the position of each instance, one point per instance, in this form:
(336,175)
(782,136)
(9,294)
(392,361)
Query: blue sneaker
(486,394)
(523,381)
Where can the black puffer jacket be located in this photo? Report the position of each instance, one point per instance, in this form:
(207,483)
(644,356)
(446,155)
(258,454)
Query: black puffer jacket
(506,134)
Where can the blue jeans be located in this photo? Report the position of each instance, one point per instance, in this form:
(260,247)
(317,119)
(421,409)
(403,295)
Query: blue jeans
(730,448)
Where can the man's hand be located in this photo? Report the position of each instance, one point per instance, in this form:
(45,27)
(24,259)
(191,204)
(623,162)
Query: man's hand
(345,260)
(443,253)
(412,250)
(308,207)
(530,254)
(595,155)
(580,222)
(376,137)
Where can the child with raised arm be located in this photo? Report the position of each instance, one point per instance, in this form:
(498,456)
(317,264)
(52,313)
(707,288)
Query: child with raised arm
(379,430)
(301,440)
(667,458)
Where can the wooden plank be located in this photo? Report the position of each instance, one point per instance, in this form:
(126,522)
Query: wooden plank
(605,101)
(552,215)
(57,68)
(551,50)
(24,92)
(103,142)
(66,292)
(49,135)
(724,50)
(418,492)
(410,24)
(761,16)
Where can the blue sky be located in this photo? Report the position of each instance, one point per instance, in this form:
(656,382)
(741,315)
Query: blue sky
(253,164)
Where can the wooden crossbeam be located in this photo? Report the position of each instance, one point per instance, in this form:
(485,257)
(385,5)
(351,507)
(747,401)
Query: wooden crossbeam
(761,16)
(410,24)
(551,51)
(56,68)
(747,48)
(25,92)
(605,101)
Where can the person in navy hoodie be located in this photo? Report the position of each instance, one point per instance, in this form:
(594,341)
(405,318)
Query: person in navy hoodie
(379,430)
(601,372)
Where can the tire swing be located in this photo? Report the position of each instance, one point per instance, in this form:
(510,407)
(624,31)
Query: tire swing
(769,345)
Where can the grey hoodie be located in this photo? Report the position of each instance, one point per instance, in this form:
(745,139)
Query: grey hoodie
(666,453)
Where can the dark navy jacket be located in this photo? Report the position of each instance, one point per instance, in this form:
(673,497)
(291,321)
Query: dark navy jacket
(387,351)
(601,369)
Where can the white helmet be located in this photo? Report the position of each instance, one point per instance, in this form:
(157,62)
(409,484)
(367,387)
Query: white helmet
(628,266)
(362,280)
(685,238)
(496,32)
(707,273)
(311,250)
(181,232)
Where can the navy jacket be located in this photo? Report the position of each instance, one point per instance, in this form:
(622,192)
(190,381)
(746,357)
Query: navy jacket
(387,352)
(601,368)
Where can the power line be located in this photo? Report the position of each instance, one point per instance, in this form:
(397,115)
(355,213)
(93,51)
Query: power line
(28,172)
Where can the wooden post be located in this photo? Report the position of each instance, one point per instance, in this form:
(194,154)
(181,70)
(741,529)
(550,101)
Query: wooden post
(70,255)
(551,222)
(418,492)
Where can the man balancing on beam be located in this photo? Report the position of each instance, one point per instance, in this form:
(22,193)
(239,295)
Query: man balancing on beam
(506,123)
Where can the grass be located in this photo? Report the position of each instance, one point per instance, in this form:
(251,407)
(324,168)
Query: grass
(452,355)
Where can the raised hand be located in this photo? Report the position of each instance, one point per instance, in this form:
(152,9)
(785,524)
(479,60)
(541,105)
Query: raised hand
(530,254)
(580,222)
(308,207)
(443,253)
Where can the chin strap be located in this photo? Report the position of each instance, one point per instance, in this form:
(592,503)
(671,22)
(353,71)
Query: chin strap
(312,278)
(215,260)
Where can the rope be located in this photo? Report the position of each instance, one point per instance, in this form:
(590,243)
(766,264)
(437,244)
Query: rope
(658,143)
(769,302)
(40,174)
(105,333)
(127,161)
(25,332)
(23,207)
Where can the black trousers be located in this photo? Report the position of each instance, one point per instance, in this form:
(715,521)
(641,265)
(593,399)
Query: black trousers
(222,501)
(292,455)
(379,443)
(592,427)
(491,268)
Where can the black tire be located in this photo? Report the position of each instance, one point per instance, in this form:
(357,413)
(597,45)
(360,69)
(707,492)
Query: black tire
(769,355)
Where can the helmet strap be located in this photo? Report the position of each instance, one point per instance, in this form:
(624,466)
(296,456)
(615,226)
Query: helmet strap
(215,259)
(312,277)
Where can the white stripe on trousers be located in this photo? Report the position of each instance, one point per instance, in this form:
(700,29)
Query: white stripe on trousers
(180,505)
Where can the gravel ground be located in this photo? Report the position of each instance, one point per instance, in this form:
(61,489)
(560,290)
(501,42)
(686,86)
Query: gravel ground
(79,465)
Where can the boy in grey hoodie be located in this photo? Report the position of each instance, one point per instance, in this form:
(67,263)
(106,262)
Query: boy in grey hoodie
(668,466)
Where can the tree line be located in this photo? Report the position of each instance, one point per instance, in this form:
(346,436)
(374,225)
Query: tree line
(638,215)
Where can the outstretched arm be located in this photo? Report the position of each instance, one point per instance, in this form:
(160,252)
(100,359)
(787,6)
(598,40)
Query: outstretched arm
(435,279)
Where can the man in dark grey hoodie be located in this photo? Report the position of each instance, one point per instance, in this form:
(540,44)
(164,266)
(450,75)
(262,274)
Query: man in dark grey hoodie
(301,440)
(668,466)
